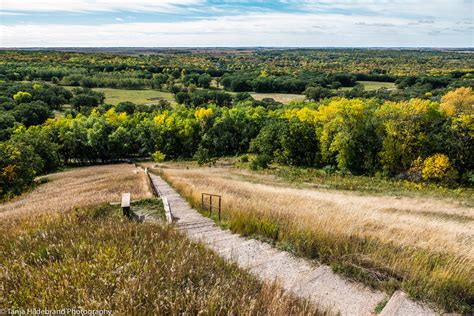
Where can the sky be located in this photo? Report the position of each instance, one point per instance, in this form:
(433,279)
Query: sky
(232,23)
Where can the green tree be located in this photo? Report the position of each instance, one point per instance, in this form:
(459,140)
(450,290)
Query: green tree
(347,134)
(22,97)
(317,93)
(18,167)
(38,138)
(33,113)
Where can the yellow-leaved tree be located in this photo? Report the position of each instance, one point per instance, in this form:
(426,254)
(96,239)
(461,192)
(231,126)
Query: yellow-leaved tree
(403,127)
(458,102)
(438,168)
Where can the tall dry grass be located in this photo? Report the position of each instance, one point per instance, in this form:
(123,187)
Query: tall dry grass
(56,253)
(96,259)
(81,187)
(423,245)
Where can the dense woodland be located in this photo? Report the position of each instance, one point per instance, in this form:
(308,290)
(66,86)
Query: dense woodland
(421,130)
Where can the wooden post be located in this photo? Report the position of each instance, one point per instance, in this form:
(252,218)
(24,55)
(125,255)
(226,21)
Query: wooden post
(210,205)
(220,208)
(126,204)
(166,204)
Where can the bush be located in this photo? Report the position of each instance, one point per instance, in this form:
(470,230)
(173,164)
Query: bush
(438,168)
(202,155)
(158,156)
(127,107)
(414,173)
(329,169)
(244,158)
(260,162)
(468,178)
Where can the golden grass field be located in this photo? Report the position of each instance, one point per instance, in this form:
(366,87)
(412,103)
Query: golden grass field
(81,187)
(426,244)
(63,246)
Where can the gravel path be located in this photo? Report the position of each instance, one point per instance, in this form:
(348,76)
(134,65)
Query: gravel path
(304,278)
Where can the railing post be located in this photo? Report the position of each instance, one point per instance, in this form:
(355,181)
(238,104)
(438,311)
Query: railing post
(220,208)
(210,205)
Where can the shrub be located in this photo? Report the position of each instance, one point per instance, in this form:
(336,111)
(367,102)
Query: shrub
(260,162)
(202,155)
(438,168)
(202,114)
(468,178)
(158,156)
(244,158)
(414,173)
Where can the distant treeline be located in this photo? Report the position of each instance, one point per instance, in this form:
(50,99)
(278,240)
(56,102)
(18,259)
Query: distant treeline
(265,71)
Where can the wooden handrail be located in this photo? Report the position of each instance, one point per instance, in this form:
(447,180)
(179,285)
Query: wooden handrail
(209,205)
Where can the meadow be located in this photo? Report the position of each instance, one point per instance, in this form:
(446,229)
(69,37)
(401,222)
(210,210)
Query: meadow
(79,187)
(422,245)
(142,96)
(375,85)
(63,246)
(284,98)
(146,96)
(315,178)
(372,86)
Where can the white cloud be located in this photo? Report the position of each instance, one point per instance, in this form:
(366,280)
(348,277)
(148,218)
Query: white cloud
(48,6)
(434,8)
(270,29)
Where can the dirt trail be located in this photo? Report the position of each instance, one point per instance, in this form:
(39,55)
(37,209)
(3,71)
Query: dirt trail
(302,277)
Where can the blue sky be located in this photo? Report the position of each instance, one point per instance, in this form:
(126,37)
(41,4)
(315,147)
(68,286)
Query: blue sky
(306,23)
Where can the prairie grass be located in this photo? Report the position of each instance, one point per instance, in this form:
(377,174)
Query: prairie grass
(313,178)
(80,187)
(96,259)
(318,179)
(422,245)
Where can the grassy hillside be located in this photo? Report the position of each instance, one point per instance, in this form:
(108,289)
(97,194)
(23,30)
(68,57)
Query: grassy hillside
(79,187)
(421,245)
(63,247)
(96,259)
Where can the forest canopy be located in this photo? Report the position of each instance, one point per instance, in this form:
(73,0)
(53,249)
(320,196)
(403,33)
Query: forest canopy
(420,130)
